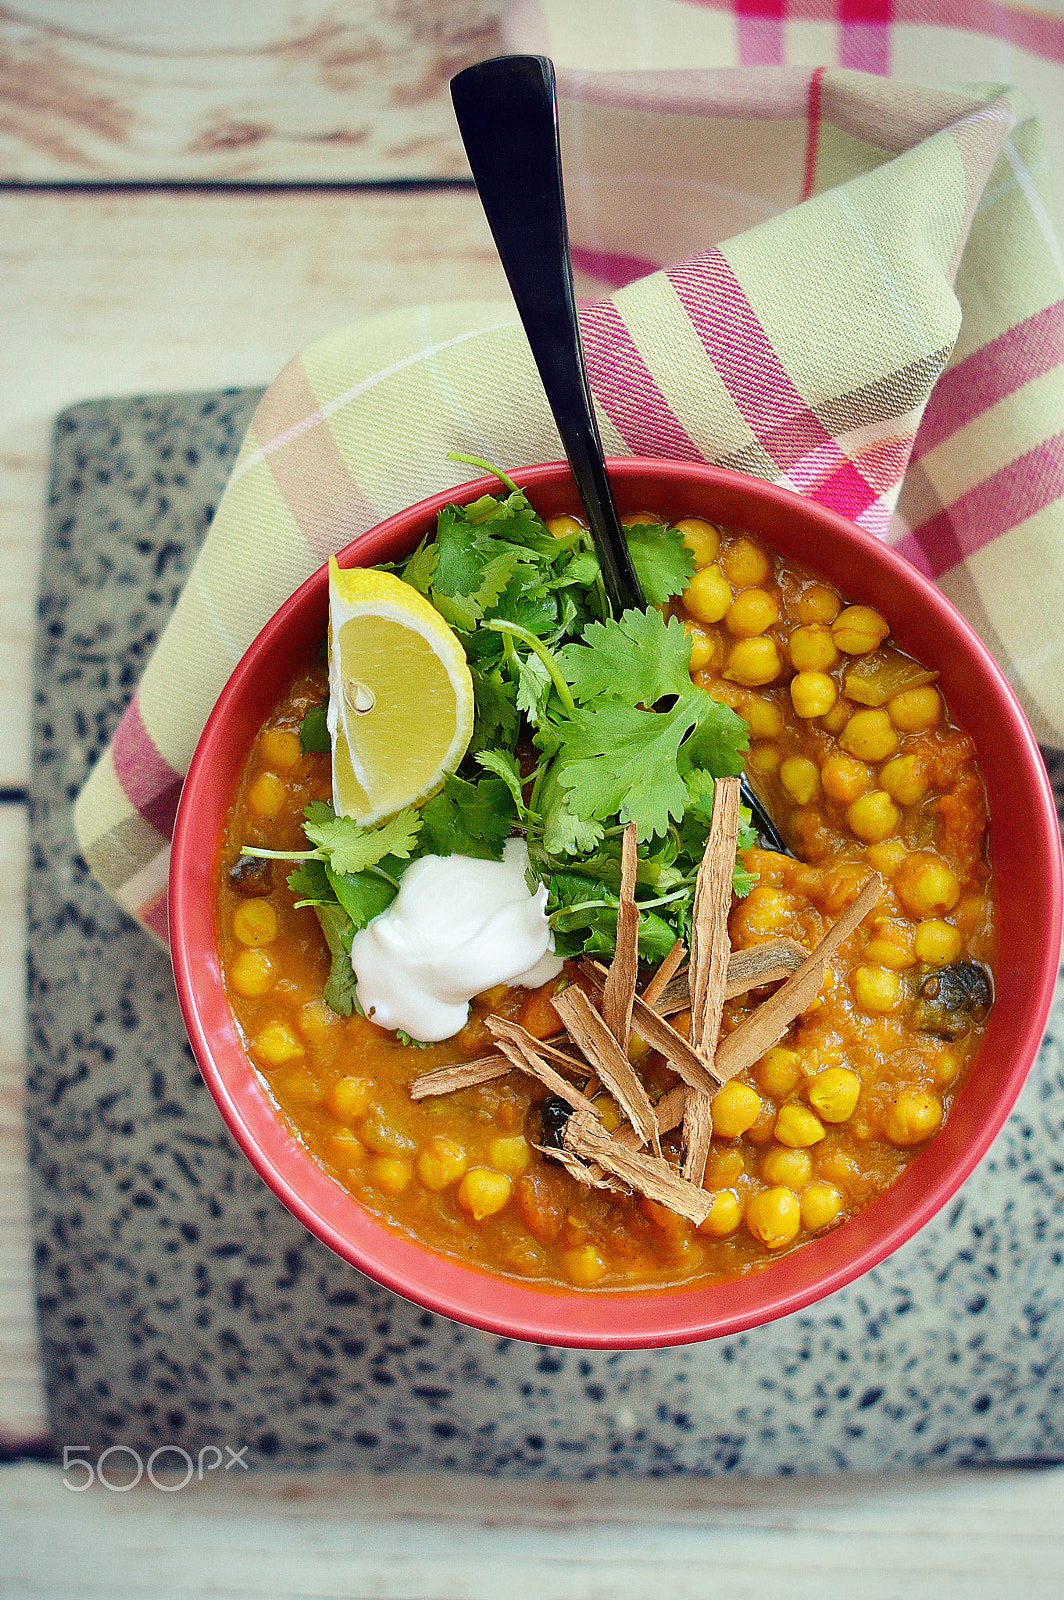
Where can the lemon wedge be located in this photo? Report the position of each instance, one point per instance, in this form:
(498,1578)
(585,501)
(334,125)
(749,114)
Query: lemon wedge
(400,694)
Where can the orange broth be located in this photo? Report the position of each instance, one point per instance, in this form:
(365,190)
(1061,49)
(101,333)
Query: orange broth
(821,1124)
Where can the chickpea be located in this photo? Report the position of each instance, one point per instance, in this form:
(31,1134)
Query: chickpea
(347,1151)
(745,563)
(800,779)
(708,595)
(725,1167)
(837,1167)
(912,1116)
(782,1164)
(349,1097)
(276,1044)
(701,538)
(887,857)
(937,942)
(903,779)
(874,817)
(736,1107)
(252,973)
(280,748)
(765,913)
(812,649)
(915,710)
(834,1093)
(751,612)
(764,716)
(725,1215)
(858,630)
(877,990)
(779,1071)
(319,1026)
(705,646)
(511,1153)
(442,1162)
(885,950)
(753,662)
(798,1127)
(774,1216)
(926,885)
(609,1112)
(869,735)
(947,1066)
(266,795)
(565,527)
(390,1174)
(844,778)
(969,913)
(764,758)
(583,1265)
(818,603)
(835,719)
(293,1085)
(820,1205)
(255,922)
(482,1192)
(813,693)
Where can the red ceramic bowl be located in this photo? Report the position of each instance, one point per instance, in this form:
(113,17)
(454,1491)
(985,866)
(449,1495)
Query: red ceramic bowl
(1025,850)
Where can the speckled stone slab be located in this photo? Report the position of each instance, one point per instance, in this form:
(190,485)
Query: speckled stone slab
(181,1304)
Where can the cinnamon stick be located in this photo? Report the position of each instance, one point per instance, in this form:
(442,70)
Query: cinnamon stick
(522,1050)
(767,1024)
(651,1175)
(589,1031)
(465,1075)
(621,978)
(708,973)
(665,972)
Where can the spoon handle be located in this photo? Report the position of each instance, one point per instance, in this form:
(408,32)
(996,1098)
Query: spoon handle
(507,114)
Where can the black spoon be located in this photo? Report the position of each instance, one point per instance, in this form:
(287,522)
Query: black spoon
(507,112)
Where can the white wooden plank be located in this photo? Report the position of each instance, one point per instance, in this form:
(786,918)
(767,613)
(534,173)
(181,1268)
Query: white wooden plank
(143,292)
(253,90)
(973,1535)
(22,1410)
(147,292)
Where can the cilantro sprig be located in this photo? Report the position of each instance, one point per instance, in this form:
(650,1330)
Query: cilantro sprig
(583,722)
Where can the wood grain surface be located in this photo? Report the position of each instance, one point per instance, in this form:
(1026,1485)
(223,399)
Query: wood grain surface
(968,1536)
(244,90)
(125,293)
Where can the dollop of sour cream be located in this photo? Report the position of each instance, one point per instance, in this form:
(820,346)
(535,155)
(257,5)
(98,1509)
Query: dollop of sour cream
(456,927)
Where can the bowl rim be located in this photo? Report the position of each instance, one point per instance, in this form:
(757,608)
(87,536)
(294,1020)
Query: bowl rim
(624,1318)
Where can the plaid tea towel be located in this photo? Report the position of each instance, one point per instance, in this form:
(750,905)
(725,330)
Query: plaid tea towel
(842,283)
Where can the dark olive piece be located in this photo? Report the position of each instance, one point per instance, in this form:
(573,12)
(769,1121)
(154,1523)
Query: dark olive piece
(950,999)
(554,1113)
(251,876)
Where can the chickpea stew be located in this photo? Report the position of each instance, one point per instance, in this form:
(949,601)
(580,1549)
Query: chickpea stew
(855,754)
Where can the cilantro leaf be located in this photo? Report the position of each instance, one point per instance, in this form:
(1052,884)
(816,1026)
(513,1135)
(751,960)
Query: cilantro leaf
(638,658)
(363,895)
(505,767)
(314,730)
(617,760)
(469,819)
(309,882)
(497,720)
(351,848)
(663,562)
(533,685)
(339,993)
(419,570)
